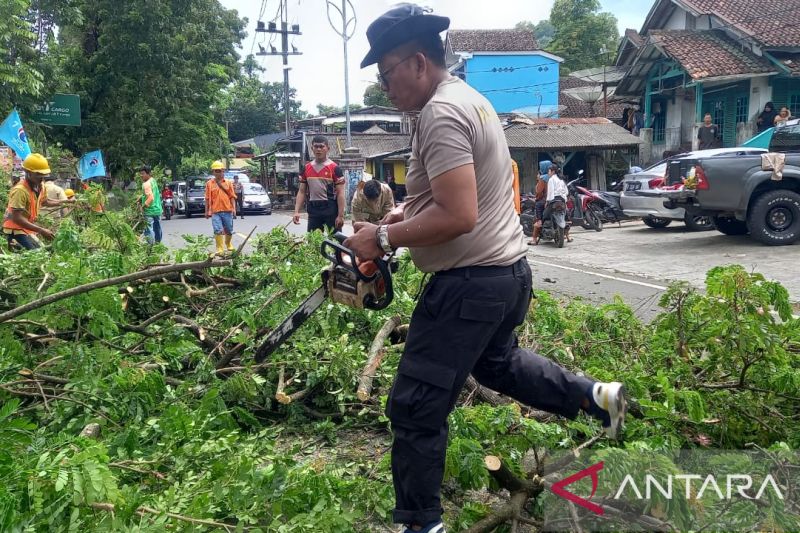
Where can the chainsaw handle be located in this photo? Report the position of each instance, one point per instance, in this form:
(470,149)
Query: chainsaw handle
(335,253)
(388,295)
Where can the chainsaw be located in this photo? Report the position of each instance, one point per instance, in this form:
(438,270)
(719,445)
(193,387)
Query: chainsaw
(348,281)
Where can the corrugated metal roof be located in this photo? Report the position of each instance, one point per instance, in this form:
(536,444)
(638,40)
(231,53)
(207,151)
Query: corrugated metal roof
(370,144)
(569,135)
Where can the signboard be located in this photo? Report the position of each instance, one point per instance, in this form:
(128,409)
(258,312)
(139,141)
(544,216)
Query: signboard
(60,110)
(287,162)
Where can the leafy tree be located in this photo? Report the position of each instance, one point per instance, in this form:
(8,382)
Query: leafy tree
(150,75)
(583,33)
(21,79)
(544,31)
(329,110)
(374,95)
(255,107)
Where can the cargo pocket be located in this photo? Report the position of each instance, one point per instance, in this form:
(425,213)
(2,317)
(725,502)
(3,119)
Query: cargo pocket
(420,397)
(482,310)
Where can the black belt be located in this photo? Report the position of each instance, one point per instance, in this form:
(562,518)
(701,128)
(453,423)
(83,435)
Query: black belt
(485,271)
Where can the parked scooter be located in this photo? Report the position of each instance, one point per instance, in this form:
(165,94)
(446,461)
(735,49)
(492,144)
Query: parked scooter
(585,205)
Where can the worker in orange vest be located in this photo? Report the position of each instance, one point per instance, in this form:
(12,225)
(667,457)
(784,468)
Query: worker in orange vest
(24,200)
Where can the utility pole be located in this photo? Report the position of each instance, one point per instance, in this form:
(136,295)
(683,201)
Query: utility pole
(345,34)
(285,31)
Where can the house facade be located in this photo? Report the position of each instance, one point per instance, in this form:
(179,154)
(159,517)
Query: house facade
(508,68)
(723,57)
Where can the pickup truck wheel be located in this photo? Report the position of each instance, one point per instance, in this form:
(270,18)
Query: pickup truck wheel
(695,223)
(774,218)
(730,226)
(656,222)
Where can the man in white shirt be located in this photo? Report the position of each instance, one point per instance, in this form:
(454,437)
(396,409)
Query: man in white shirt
(556,191)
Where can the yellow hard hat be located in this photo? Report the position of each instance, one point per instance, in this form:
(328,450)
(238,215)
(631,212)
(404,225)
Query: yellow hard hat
(217,165)
(69,192)
(36,163)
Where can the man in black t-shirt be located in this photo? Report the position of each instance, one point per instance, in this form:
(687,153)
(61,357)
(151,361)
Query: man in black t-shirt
(708,133)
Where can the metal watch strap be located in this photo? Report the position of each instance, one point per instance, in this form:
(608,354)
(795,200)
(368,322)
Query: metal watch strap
(383,239)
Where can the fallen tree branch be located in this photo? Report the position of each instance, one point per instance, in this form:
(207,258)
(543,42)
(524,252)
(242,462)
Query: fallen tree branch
(521,490)
(376,353)
(143,510)
(81,289)
(198,331)
(241,246)
(226,358)
(194,293)
(495,399)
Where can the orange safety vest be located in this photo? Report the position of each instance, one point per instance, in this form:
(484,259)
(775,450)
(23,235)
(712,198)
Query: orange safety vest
(33,208)
(515,186)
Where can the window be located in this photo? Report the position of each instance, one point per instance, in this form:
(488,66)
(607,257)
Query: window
(794,104)
(743,108)
(660,128)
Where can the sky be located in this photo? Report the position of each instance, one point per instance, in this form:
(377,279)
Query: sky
(318,74)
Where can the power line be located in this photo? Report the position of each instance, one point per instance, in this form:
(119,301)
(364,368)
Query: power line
(513,89)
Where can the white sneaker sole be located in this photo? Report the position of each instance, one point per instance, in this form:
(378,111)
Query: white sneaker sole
(613,401)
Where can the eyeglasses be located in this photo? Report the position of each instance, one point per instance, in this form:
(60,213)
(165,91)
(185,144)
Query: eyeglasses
(383,76)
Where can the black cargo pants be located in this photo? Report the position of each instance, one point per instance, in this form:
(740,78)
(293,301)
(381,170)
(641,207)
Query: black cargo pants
(464,323)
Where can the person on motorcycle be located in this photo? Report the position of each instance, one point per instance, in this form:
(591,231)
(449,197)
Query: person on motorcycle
(556,192)
(167,194)
(540,194)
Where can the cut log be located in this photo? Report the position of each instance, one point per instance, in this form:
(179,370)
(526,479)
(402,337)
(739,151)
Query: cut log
(91,431)
(376,353)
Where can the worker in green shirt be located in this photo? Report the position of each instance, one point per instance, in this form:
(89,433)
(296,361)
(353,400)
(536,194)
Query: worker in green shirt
(150,203)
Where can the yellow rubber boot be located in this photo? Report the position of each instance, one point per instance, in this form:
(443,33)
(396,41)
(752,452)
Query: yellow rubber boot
(220,246)
(228,245)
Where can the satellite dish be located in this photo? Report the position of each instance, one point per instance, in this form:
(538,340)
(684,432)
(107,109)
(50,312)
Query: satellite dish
(590,94)
(607,75)
(536,112)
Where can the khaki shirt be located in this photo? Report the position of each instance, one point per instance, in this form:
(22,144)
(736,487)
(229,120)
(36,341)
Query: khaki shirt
(457,127)
(364,210)
(54,192)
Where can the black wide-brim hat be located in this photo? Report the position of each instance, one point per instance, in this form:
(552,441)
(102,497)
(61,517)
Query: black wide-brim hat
(398,26)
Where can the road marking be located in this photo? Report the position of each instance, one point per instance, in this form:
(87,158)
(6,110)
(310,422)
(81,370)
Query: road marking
(589,272)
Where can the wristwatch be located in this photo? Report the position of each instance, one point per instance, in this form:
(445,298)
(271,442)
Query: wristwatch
(383,239)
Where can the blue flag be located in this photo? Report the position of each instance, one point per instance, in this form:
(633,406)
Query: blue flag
(12,133)
(91,165)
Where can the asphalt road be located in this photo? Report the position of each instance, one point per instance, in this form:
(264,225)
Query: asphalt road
(178,226)
(632,261)
(595,285)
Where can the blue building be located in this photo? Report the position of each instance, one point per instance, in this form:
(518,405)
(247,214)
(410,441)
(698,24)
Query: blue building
(508,68)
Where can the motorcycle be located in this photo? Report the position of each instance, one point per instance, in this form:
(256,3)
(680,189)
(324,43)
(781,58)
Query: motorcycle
(554,228)
(527,215)
(169,208)
(584,205)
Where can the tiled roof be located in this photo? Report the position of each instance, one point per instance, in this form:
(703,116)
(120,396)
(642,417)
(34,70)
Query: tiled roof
(634,37)
(769,22)
(709,53)
(508,40)
(569,134)
(789,60)
(370,144)
(575,108)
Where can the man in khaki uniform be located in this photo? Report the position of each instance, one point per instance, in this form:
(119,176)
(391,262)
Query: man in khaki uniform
(55,194)
(372,202)
(459,223)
